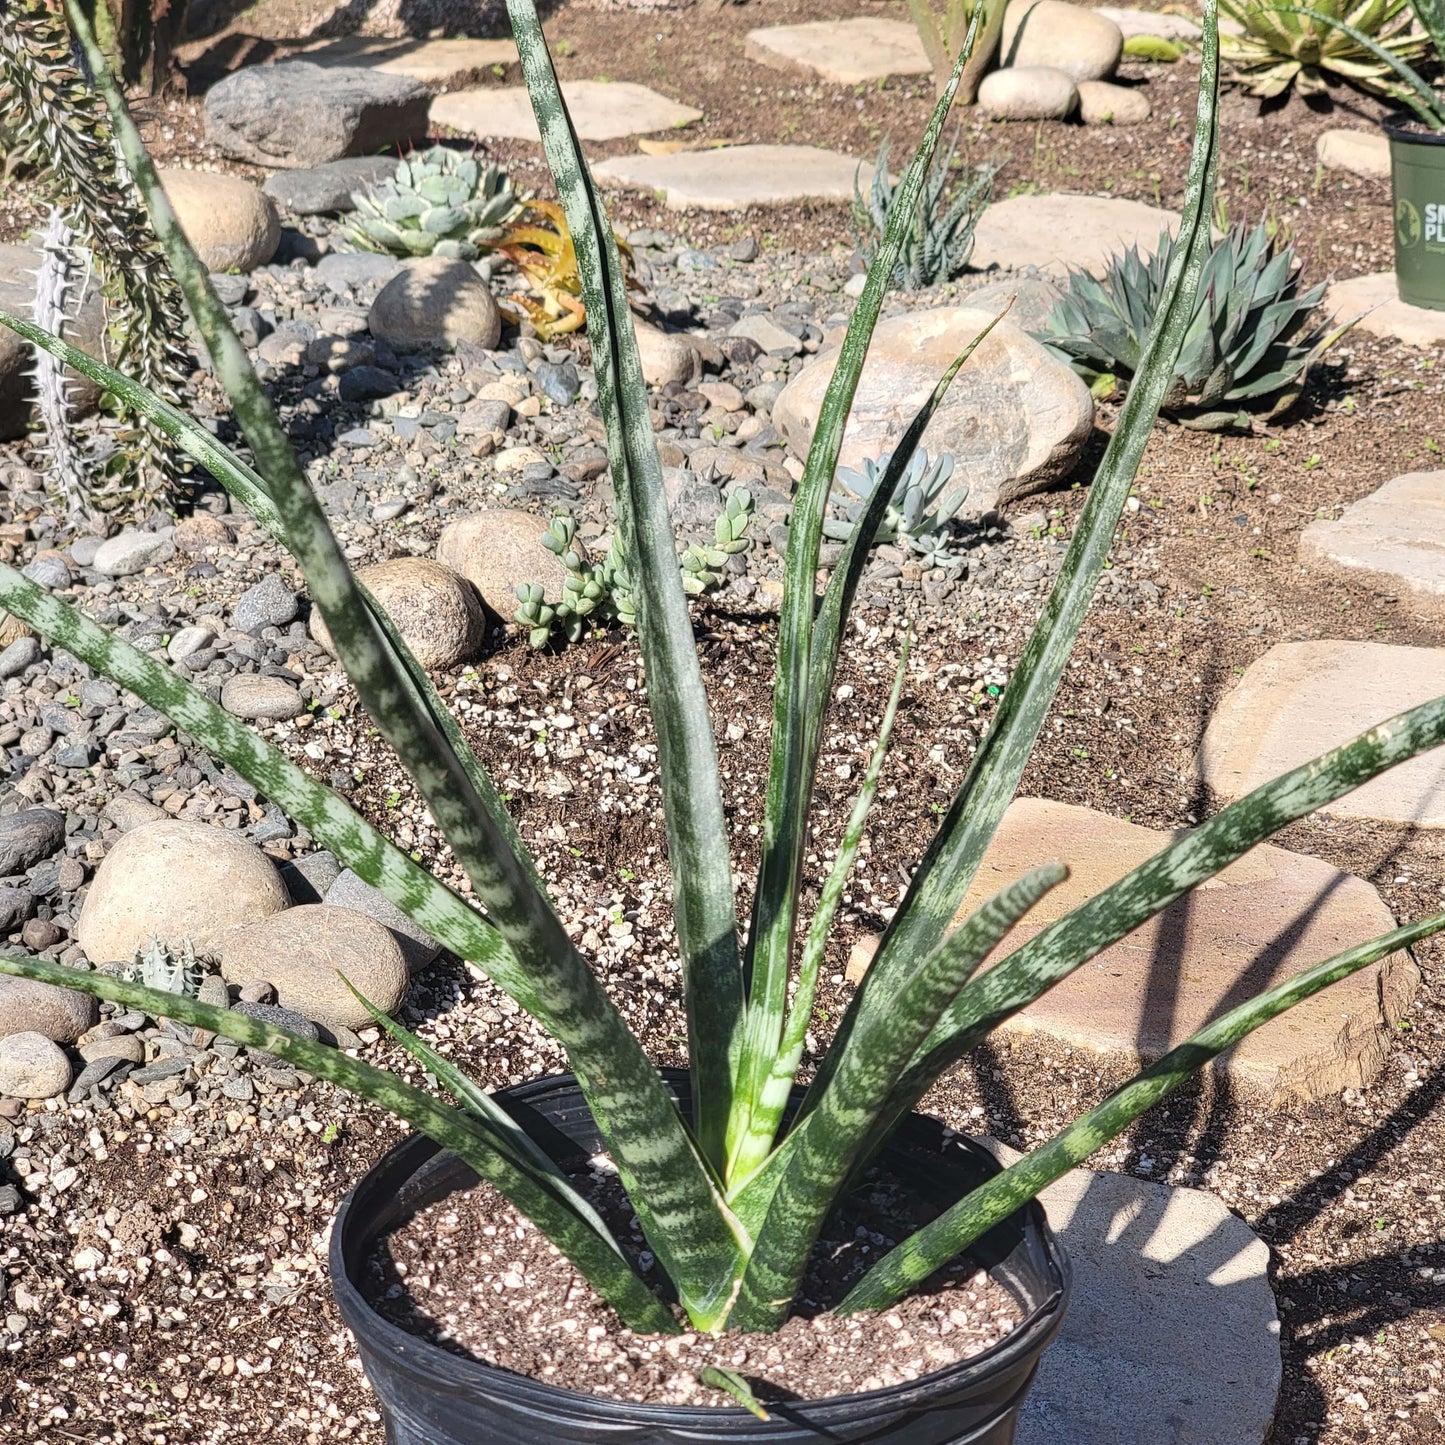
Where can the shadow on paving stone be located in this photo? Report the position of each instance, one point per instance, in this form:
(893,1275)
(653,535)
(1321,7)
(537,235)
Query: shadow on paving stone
(1171,1335)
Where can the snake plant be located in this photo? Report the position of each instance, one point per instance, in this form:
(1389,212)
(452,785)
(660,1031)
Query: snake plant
(731,1203)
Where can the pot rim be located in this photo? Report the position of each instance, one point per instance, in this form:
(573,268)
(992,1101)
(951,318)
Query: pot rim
(409,1350)
(1397,126)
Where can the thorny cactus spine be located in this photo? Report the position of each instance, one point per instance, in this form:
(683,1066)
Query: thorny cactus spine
(58,124)
(439,203)
(54,296)
(171,970)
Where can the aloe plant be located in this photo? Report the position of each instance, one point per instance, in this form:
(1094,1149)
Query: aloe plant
(731,1204)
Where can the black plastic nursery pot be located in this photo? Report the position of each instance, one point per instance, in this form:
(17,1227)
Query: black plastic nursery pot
(1417,180)
(432,1397)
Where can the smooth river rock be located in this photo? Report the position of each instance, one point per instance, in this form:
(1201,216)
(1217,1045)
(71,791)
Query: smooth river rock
(435,302)
(498,551)
(232,224)
(32,1067)
(28,1006)
(1028,92)
(1082,43)
(303,954)
(175,880)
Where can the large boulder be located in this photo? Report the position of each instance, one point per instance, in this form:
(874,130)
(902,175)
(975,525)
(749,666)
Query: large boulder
(436,611)
(17,359)
(1015,419)
(299,114)
(435,302)
(326,190)
(497,552)
(232,225)
(1082,43)
(176,880)
(303,954)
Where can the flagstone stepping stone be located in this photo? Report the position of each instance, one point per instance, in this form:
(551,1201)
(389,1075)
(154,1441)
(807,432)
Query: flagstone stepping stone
(601,110)
(1375,300)
(735,177)
(1057,231)
(1263,919)
(1150,22)
(1396,536)
(1015,419)
(1172,1319)
(175,880)
(1361,152)
(846,52)
(429,61)
(1302,698)
(299,114)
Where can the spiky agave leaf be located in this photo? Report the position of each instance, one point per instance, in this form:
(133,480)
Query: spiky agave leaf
(1281,47)
(1251,340)
(939,242)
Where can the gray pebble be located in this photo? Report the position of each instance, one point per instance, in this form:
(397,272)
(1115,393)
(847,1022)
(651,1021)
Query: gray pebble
(270,603)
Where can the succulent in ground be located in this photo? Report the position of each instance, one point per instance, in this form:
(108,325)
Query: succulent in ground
(604,591)
(440,202)
(1252,338)
(1281,47)
(919,513)
(939,242)
(171,970)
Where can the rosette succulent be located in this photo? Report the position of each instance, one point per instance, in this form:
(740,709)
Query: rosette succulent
(439,203)
(1252,336)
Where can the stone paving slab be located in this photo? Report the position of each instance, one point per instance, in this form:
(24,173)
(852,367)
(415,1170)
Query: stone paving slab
(600,110)
(1363,153)
(735,177)
(1302,698)
(1263,919)
(1172,1333)
(1057,231)
(1395,536)
(430,61)
(1376,301)
(846,52)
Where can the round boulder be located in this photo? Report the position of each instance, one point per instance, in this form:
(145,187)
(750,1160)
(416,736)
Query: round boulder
(499,551)
(303,954)
(1102,103)
(1071,38)
(667,357)
(435,610)
(1015,419)
(32,1067)
(435,302)
(29,1006)
(175,880)
(232,224)
(1027,92)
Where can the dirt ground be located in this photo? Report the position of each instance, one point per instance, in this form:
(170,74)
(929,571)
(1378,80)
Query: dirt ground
(1349,1195)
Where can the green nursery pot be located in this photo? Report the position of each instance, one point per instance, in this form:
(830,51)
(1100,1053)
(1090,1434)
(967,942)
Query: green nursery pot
(1417,177)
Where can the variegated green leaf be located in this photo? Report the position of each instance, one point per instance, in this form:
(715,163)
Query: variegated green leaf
(953,856)
(489,1150)
(839,1131)
(697,835)
(790,774)
(907,1266)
